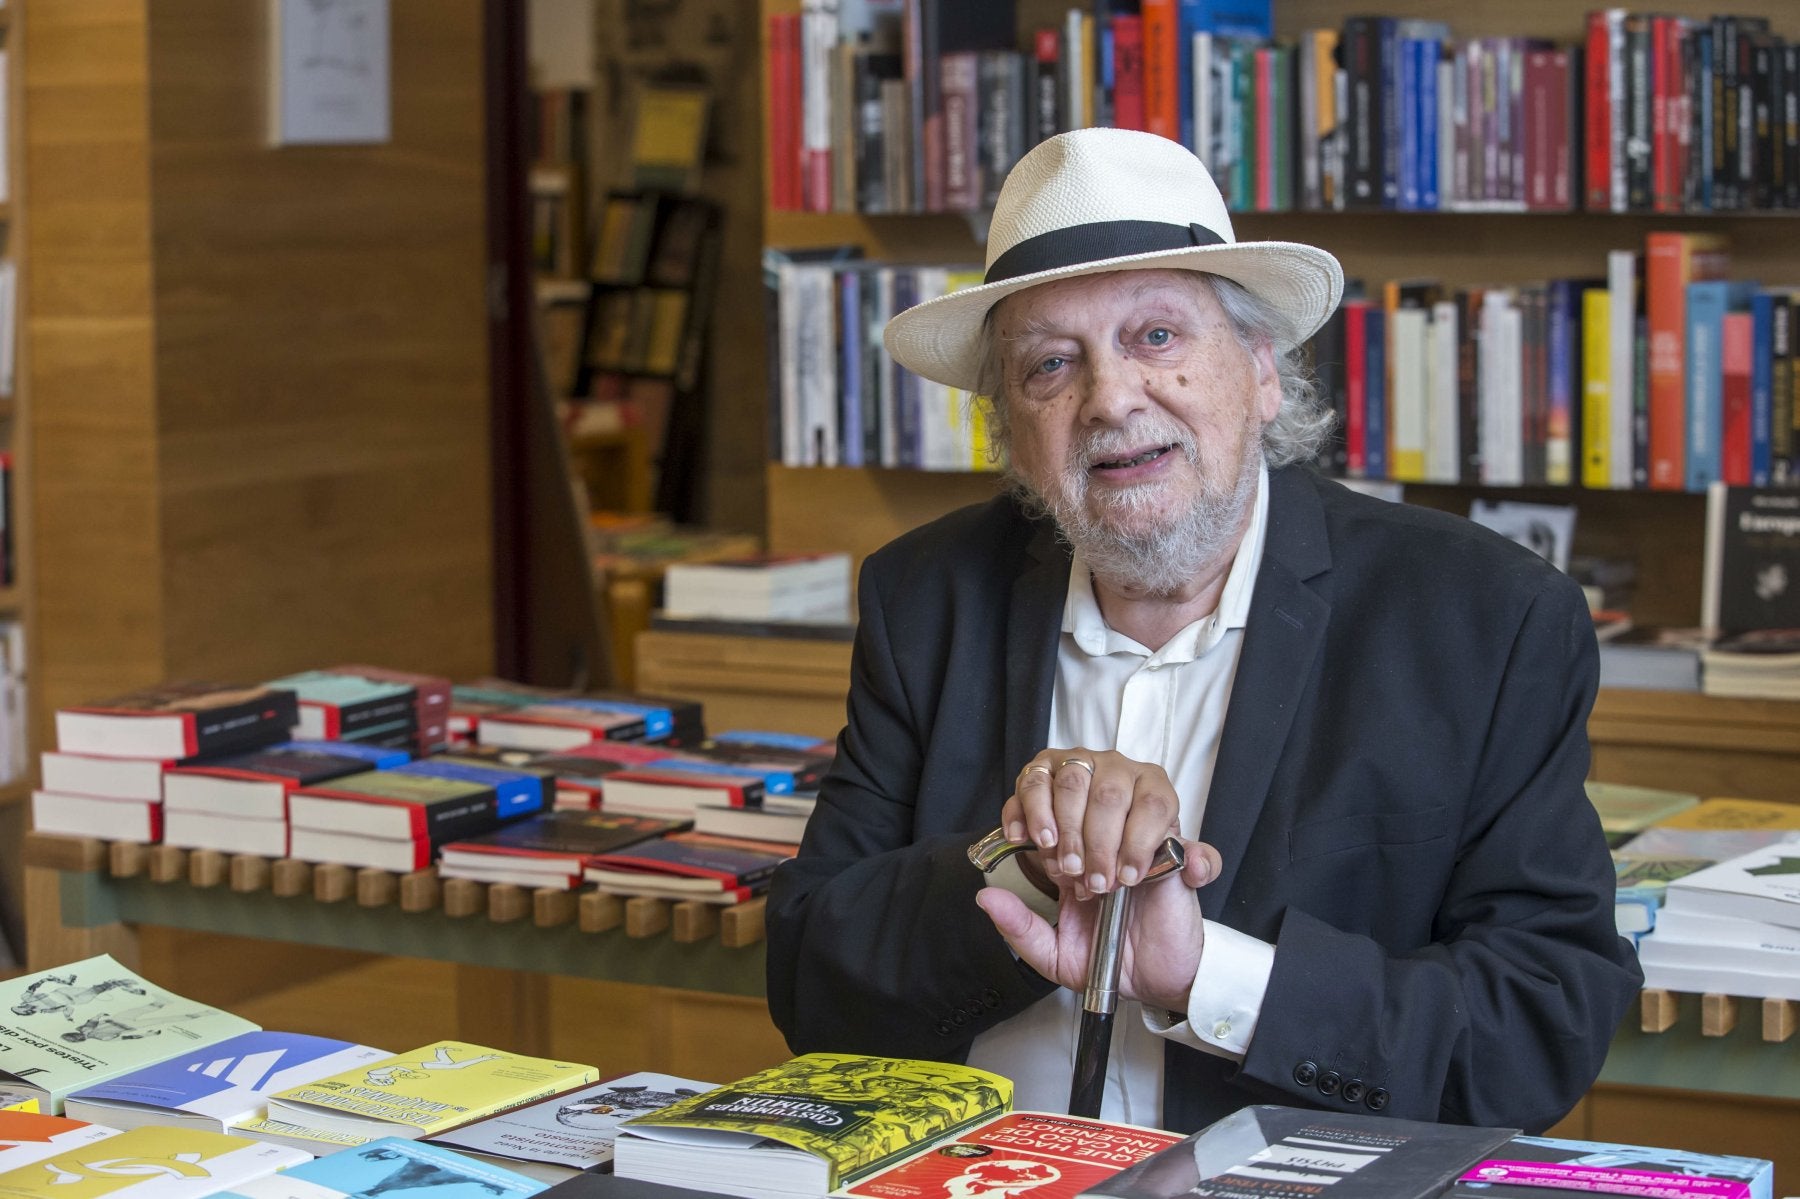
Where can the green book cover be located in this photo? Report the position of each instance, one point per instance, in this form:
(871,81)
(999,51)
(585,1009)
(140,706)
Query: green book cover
(1625,808)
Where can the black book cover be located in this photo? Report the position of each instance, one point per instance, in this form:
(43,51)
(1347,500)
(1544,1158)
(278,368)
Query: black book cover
(1359,54)
(1639,90)
(1327,348)
(1752,559)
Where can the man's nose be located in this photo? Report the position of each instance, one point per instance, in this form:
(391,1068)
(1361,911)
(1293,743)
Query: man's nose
(1115,390)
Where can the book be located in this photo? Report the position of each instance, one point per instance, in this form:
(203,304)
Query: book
(135,820)
(317,1141)
(258,783)
(1640,884)
(26,1137)
(1751,559)
(553,843)
(263,836)
(1652,658)
(178,720)
(84,1023)
(103,778)
(1755,664)
(556,1137)
(351,707)
(1692,940)
(1625,808)
(218,1086)
(387,803)
(1721,812)
(1273,1152)
(431,699)
(518,790)
(1763,884)
(1053,1156)
(767,823)
(769,587)
(807,1126)
(151,1163)
(391,1165)
(1529,1167)
(686,862)
(666,789)
(425,1091)
(558,727)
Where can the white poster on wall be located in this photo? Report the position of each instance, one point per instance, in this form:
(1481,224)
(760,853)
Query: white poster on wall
(328,72)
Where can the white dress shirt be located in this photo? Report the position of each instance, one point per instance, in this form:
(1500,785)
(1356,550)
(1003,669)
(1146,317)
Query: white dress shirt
(1166,707)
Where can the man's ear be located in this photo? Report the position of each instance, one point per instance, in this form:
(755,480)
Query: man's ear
(1268,381)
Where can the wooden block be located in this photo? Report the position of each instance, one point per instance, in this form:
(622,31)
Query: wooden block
(1778,1019)
(1718,1015)
(1658,1010)
(333,882)
(598,913)
(646,916)
(742,924)
(507,903)
(694,921)
(375,888)
(552,907)
(289,877)
(126,859)
(167,863)
(77,855)
(248,872)
(206,868)
(464,897)
(419,891)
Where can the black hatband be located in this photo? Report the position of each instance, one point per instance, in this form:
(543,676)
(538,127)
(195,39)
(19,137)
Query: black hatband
(1079,245)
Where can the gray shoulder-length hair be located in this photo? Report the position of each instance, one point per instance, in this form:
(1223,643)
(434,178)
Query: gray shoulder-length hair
(1302,425)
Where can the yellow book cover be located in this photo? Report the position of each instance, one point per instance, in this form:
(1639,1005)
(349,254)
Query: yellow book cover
(151,1162)
(810,1124)
(1625,808)
(968,424)
(1721,813)
(425,1091)
(1596,387)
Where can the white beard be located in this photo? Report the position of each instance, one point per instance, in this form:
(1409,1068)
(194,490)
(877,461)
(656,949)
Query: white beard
(1158,561)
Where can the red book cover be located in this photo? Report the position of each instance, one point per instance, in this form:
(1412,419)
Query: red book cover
(1736,341)
(1263,153)
(1672,261)
(1128,71)
(959,85)
(784,111)
(1597,115)
(1162,68)
(1562,128)
(706,863)
(1542,82)
(1356,389)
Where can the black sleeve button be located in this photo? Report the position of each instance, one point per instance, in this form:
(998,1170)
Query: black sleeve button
(1306,1073)
(1329,1082)
(959,1017)
(1376,1099)
(943,1028)
(1353,1090)
(992,998)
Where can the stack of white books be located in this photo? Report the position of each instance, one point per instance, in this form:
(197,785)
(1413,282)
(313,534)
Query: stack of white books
(1732,928)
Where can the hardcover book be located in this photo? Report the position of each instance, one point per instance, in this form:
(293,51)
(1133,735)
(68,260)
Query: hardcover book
(150,1163)
(27,1137)
(75,1026)
(426,1091)
(388,803)
(1535,1167)
(391,1164)
(1053,1156)
(178,720)
(807,1126)
(217,1087)
(1272,1152)
(571,1132)
(1752,559)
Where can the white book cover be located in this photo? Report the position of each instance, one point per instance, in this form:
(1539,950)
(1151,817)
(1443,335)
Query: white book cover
(150,1163)
(27,1137)
(1763,884)
(1621,287)
(219,1086)
(1442,409)
(573,1130)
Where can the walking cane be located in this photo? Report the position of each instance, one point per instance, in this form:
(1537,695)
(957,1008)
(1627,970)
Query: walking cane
(1101,997)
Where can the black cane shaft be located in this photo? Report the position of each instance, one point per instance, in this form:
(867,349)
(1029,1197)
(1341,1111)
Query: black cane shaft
(1091,1051)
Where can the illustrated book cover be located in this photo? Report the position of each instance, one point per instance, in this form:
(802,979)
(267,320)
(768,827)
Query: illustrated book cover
(84,1023)
(219,1086)
(150,1163)
(26,1137)
(808,1125)
(392,1165)
(1763,884)
(1538,1167)
(425,1091)
(571,1132)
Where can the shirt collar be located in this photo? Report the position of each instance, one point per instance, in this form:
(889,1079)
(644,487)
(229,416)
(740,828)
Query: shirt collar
(1081,610)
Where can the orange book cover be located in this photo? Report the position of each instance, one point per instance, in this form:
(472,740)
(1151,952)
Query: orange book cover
(1162,69)
(1672,261)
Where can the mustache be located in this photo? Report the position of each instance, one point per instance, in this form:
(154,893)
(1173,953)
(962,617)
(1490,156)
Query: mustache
(1105,445)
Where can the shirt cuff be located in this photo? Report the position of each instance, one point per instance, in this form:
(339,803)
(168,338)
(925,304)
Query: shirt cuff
(1226,998)
(1011,876)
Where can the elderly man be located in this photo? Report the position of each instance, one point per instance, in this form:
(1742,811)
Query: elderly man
(1367,721)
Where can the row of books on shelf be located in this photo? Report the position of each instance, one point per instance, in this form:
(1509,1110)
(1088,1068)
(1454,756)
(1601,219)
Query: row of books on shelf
(532,786)
(232,1109)
(1656,372)
(925,110)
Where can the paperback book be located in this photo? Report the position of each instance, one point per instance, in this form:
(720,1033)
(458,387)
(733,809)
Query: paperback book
(390,1165)
(348,706)
(159,1163)
(387,803)
(219,1086)
(518,790)
(557,843)
(1540,1167)
(27,1137)
(688,862)
(426,1091)
(75,1026)
(807,1126)
(257,783)
(1762,885)
(571,1132)
(178,720)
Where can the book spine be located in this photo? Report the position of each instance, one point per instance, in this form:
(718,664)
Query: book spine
(818,31)
(1596,388)
(1356,389)
(1047,86)
(1781,386)
(1665,286)
(1736,340)
(1161,54)
(1762,385)
(1128,97)
(959,83)
(1703,365)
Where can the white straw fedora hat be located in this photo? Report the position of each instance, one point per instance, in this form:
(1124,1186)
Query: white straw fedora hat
(1097,200)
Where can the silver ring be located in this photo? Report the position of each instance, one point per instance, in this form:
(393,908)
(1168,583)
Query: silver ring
(1081,762)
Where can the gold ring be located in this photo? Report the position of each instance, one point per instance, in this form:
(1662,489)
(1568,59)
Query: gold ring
(1035,766)
(1081,762)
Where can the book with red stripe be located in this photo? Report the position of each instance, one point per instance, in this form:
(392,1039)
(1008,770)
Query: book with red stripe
(431,699)
(670,789)
(425,809)
(556,842)
(179,720)
(258,783)
(689,861)
(340,705)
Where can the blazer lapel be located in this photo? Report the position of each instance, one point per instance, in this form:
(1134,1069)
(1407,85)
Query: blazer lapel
(1282,636)
(1033,626)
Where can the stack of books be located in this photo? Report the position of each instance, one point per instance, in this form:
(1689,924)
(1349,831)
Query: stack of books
(1730,928)
(239,803)
(773,587)
(1693,838)
(696,866)
(551,849)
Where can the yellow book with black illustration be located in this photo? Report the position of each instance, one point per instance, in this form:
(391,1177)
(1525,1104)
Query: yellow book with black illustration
(425,1091)
(807,1126)
(151,1162)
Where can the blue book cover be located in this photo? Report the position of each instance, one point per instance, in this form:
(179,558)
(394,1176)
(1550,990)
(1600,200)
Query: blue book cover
(659,721)
(907,448)
(1708,300)
(219,1085)
(376,757)
(849,389)
(1527,1165)
(516,792)
(392,1164)
(775,781)
(775,740)
(1407,90)
(1425,76)
(1375,422)
(1562,328)
(1251,19)
(1762,387)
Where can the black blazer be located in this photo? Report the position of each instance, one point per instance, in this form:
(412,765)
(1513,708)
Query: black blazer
(1397,801)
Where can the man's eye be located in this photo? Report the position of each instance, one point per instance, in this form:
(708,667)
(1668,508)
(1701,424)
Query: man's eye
(1158,337)
(1050,366)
